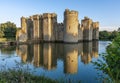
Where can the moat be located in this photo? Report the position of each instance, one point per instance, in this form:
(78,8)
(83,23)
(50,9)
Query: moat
(57,60)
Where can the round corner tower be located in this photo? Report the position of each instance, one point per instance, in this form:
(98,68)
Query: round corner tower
(95,30)
(70,26)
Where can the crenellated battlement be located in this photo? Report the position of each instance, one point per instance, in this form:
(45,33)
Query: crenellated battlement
(53,15)
(36,17)
(46,15)
(23,17)
(70,13)
(86,23)
(95,25)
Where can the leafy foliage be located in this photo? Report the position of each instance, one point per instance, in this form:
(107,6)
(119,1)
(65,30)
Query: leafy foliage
(8,29)
(105,35)
(111,66)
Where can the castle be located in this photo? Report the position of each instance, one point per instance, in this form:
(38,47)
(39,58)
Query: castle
(46,28)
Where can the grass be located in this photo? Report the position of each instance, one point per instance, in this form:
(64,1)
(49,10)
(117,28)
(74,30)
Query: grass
(17,76)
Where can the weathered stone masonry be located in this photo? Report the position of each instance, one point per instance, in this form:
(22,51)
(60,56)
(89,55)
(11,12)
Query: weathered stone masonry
(46,28)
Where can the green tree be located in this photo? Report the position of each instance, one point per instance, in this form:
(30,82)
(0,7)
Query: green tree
(113,35)
(9,29)
(104,35)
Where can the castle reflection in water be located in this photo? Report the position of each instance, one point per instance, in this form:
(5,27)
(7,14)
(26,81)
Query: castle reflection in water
(46,55)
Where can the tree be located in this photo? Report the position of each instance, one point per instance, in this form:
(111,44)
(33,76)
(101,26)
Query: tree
(104,35)
(9,29)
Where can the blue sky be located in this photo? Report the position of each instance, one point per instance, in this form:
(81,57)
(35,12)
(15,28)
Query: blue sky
(107,12)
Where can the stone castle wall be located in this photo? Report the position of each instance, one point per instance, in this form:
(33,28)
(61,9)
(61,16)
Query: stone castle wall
(30,28)
(80,33)
(46,28)
(59,32)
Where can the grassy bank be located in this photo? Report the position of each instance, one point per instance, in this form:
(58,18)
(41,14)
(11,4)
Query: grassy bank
(18,76)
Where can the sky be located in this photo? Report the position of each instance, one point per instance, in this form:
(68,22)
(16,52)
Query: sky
(107,12)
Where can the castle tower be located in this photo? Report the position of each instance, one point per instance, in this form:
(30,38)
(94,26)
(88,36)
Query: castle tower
(95,26)
(49,24)
(47,27)
(71,58)
(24,24)
(36,29)
(21,34)
(86,24)
(70,26)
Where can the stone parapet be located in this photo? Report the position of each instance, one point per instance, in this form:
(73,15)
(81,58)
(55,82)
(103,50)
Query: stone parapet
(95,25)
(36,17)
(53,15)
(46,15)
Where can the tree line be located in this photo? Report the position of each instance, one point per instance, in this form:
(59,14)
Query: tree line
(106,35)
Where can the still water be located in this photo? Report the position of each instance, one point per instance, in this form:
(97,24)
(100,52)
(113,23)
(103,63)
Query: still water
(57,61)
